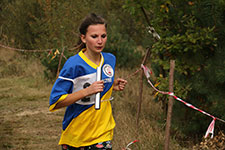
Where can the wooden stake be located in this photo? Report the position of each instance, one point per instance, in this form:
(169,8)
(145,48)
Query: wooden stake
(141,87)
(60,59)
(170,105)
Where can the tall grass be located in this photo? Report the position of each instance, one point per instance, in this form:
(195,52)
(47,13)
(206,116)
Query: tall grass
(150,130)
(26,123)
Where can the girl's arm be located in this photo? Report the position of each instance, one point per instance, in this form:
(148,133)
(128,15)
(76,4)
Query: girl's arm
(73,97)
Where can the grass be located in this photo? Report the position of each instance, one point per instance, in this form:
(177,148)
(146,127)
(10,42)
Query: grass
(25,120)
(26,123)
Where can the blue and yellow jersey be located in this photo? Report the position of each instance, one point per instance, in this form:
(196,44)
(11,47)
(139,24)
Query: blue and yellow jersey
(82,124)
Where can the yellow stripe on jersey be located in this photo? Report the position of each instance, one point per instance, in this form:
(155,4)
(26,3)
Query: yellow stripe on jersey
(51,108)
(91,126)
(88,61)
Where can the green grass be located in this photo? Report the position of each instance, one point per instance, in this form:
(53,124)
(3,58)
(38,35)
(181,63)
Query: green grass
(26,123)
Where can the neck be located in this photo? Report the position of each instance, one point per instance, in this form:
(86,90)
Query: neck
(94,57)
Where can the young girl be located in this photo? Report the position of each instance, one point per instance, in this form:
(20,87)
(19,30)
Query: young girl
(84,127)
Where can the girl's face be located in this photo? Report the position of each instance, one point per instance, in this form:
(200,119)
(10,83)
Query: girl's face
(95,38)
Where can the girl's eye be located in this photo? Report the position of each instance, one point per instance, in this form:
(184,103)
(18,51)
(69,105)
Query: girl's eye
(94,36)
(104,35)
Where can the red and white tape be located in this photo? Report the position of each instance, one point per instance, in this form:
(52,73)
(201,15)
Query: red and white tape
(127,147)
(210,129)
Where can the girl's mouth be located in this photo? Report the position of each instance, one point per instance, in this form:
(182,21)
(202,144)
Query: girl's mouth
(99,47)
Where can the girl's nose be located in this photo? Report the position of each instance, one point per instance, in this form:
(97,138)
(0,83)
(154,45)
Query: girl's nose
(99,40)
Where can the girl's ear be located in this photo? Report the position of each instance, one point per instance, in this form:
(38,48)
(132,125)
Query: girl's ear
(82,37)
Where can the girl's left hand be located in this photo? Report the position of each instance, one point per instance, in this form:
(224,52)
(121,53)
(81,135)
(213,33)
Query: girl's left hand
(119,84)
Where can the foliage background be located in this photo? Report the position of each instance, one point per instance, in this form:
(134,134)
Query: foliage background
(192,33)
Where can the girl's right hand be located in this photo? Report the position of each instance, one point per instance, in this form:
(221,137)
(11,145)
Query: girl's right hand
(95,87)
(73,97)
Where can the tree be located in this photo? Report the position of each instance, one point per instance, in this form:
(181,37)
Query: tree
(193,35)
(53,24)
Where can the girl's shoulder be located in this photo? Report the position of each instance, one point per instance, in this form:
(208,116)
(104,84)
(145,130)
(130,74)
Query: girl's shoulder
(109,58)
(105,54)
(73,60)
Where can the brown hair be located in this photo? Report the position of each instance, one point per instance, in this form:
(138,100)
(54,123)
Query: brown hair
(91,19)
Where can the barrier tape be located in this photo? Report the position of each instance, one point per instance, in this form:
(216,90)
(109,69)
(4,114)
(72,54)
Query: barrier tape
(36,50)
(133,73)
(127,147)
(210,129)
(27,50)
(23,50)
